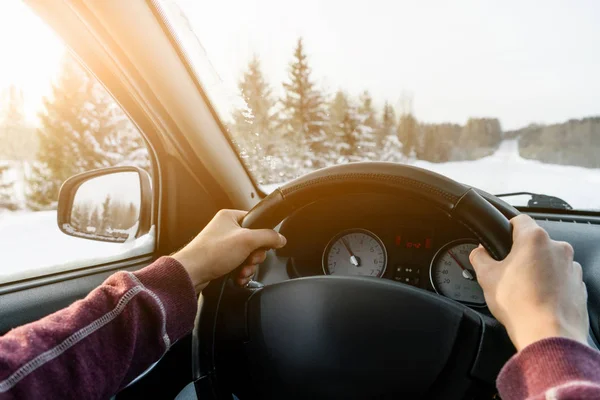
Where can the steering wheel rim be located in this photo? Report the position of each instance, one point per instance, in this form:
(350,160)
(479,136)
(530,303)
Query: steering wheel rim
(469,206)
(484,215)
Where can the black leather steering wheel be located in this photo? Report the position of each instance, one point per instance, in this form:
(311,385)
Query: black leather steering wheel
(339,337)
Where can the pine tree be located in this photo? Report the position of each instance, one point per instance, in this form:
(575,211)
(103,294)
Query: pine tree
(408,131)
(304,117)
(391,147)
(106,216)
(258,119)
(254,128)
(81,128)
(388,120)
(367,110)
(337,110)
(79,217)
(354,139)
(94,224)
(7,190)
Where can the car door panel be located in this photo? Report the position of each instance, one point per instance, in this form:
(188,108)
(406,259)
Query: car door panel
(24,302)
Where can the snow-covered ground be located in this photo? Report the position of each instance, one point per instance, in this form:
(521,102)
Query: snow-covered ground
(505,171)
(32,245)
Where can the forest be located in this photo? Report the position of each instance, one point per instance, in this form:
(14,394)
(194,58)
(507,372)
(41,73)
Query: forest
(283,136)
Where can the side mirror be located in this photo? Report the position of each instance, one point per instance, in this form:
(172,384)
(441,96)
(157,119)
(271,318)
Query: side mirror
(107,205)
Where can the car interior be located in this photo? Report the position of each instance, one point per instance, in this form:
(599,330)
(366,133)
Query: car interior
(403,328)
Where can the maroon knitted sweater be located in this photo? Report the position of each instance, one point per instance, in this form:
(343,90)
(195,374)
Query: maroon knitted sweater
(98,345)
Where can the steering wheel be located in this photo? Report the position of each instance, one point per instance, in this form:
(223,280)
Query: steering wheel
(348,337)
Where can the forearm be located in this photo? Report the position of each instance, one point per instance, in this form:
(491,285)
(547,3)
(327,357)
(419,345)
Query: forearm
(554,368)
(99,344)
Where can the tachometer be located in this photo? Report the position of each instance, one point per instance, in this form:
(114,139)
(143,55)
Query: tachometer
(355,252)
(453,276)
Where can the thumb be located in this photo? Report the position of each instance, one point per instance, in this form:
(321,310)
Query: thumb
(266,238)
(481,259)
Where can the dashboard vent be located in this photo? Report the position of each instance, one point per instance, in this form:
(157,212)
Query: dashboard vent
(567,219)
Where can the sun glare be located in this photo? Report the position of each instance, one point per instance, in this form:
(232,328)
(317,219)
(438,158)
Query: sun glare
(30,54)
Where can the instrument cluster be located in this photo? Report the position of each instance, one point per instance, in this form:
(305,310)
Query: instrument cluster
(414,245)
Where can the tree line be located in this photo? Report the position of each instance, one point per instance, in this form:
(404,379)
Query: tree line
(110,218)
(281,137)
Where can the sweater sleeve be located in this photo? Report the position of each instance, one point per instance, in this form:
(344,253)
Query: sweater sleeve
(554,368)
(98,345)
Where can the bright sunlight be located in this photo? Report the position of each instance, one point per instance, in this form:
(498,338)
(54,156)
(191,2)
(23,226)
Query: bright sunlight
(31,54)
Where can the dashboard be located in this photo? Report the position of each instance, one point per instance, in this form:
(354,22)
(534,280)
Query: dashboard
(412,234)
(383,237)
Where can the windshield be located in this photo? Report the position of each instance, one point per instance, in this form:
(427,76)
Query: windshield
(498,95)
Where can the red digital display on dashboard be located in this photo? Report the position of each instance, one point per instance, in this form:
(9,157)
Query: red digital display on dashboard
(413,242)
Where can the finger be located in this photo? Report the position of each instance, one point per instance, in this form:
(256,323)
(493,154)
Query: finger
(242,281)
(480,259)
(567,249)
(236,215)
(578,270)
(256,257)
(522,223)
(247,272)
(265,238)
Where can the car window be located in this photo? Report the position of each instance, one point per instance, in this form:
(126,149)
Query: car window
(496,95)
(56,120)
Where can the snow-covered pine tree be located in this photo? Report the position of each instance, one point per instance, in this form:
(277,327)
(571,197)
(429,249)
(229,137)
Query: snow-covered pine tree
(80,216)
(94,223)
(367,110)
(354,139)
(106,216)
(304,116)
(408,133)
(81,128)
(67,145)
(254,127)
(7,190)
(391,147)
(338,110)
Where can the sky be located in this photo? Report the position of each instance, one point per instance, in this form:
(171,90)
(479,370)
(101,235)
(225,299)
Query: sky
(30,53)
(520,61)
(122,186)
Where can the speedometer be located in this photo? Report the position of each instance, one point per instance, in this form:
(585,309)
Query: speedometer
(355,252)
(453,276)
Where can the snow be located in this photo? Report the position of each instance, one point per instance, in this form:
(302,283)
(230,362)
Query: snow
(32,245)
(505,171)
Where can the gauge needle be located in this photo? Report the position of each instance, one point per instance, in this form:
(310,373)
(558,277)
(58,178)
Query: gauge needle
(353,259)
(465,272)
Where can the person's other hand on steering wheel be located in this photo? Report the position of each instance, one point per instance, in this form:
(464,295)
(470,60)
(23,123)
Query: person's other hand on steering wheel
(537,291)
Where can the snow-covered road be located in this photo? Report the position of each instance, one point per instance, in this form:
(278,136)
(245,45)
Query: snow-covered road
(506,171)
